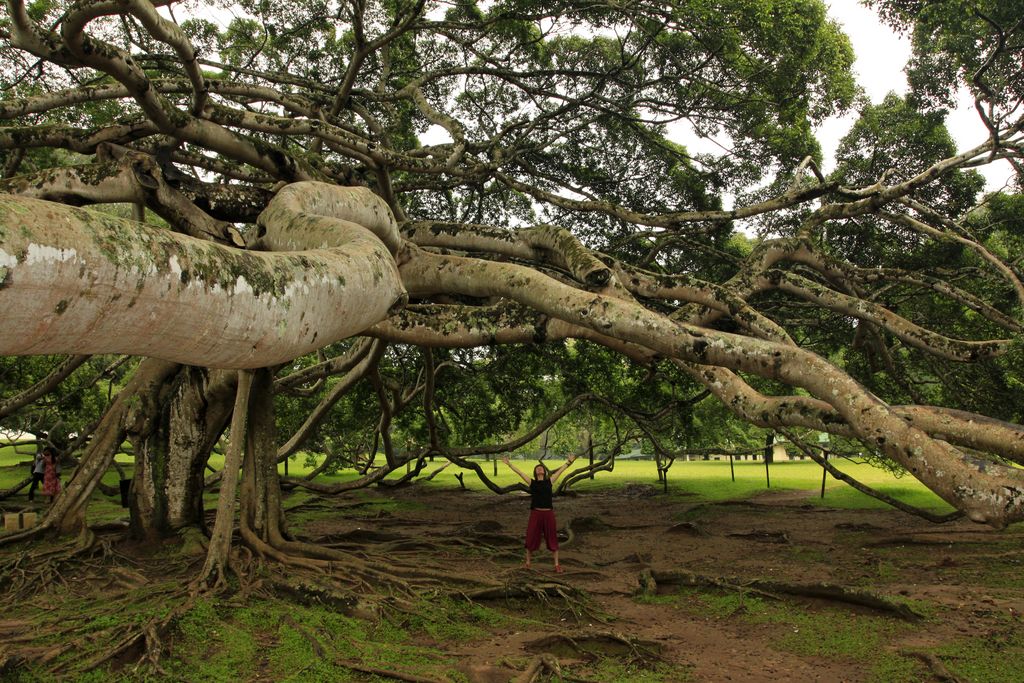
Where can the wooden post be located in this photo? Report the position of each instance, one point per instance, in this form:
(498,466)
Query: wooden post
(590,451)
(823,440)
(767,476)
(732,469)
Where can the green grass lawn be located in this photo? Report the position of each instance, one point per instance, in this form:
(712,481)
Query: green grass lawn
(712,480)
(698,481)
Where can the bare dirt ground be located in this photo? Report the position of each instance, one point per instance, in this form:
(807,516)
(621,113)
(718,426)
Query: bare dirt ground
(965,579)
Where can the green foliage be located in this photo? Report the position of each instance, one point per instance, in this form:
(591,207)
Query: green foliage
(952,41)
(76,403)
(896,139)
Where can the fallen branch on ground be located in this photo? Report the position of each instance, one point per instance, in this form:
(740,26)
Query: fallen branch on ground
(821,591)
(936,666)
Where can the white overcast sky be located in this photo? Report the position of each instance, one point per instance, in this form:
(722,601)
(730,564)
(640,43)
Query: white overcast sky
(881,57)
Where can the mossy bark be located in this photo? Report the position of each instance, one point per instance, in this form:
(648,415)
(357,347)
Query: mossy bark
(94,283)
(260,503)
(167,492)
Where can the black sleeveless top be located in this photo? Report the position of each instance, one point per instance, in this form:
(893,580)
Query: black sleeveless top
(540,494)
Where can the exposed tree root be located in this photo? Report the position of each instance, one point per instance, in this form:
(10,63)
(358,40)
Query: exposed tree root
(821,591)
(525,588)
(24,535)
(309,591)
(936,666)
(594,646)
(919,540)
(147,639)
(36,569)
(130,637)
(542,590)
(9,662)
(686,528)
(83,566)
(538,666)
(763,536)
(634,558)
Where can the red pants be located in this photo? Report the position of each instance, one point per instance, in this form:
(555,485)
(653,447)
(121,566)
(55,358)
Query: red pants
(542,523)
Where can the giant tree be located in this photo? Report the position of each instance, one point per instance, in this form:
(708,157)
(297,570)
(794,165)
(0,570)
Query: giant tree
(437,176)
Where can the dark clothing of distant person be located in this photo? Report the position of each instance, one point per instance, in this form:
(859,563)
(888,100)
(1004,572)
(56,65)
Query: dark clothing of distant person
(38,474)
(540,494)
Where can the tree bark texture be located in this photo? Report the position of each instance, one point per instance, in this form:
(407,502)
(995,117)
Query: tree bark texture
(135,405)
(167,488)
(214,572)
(74,277)
(985,491)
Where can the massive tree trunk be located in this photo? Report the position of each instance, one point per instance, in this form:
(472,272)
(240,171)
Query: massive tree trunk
(167,491)
(72,277)
(260,502)
(136,405)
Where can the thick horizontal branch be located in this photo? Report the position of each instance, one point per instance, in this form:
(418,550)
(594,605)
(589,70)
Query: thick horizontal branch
(986,492)
(671,220)
(90,282)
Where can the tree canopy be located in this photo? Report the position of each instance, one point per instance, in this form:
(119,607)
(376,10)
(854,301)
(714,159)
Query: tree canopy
(432,229)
